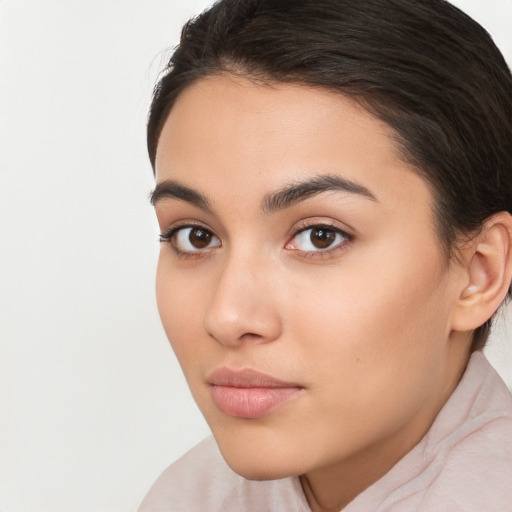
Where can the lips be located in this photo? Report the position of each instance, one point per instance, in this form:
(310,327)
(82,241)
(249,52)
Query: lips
(248,393)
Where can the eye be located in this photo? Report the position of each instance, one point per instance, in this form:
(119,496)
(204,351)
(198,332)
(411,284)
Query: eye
(190,239)
(319,238)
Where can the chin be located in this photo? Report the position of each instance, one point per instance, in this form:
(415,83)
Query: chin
(258,460)
(259,470)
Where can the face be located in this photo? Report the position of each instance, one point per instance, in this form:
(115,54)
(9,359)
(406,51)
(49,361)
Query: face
(300,280)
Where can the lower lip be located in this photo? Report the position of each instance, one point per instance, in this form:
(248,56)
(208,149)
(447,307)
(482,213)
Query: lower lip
(250,402)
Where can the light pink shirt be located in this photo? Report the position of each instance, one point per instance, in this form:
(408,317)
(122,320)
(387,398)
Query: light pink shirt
(463,464)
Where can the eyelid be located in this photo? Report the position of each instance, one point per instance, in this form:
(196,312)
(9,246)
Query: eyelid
(176,226)
(304,225)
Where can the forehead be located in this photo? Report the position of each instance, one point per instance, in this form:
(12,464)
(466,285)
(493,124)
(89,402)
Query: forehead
(231,135)
(251,114)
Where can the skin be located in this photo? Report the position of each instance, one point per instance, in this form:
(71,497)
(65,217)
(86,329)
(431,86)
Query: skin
(364,326)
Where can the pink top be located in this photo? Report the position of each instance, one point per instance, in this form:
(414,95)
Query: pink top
(463,464)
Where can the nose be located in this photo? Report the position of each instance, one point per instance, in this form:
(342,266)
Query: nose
(244,304)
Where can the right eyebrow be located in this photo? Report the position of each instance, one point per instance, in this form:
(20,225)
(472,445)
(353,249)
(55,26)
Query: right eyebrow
(173,189)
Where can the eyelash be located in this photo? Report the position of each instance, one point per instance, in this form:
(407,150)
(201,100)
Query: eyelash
(169,237)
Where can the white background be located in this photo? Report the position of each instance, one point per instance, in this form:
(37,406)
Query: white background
(92,402)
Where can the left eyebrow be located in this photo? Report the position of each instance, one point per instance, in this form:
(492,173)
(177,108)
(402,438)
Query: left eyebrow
(297,192)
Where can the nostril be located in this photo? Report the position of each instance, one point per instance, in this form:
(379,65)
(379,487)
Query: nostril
(251,336)
(225,337)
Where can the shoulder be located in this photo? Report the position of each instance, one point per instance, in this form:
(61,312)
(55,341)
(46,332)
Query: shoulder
(464,463)
(202,481)
(185,482)
(474,457)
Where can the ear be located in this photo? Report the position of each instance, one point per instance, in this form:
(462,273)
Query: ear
(488,273)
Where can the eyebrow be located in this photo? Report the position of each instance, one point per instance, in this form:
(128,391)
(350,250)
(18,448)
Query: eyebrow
(173,189)
(297,192)
(280,200)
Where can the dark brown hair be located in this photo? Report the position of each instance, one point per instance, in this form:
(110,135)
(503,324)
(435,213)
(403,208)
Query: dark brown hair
(422,66)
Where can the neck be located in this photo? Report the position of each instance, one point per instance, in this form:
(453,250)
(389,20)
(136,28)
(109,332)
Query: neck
(331,488)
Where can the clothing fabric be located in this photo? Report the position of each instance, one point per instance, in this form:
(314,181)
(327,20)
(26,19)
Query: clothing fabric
(463,464)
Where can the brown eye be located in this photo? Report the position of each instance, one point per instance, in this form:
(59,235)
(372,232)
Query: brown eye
(199,238)
(322,238)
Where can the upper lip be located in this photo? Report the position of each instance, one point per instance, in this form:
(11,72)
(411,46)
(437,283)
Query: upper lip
(246,378)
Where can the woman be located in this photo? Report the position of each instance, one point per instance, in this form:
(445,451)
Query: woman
(333,182)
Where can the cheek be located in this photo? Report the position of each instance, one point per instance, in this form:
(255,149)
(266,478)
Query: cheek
(179,305)
(370,354)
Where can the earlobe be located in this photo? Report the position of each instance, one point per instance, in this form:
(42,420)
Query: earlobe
(489,272)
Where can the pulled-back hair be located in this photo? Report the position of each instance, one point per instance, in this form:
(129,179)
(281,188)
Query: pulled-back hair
(422,66)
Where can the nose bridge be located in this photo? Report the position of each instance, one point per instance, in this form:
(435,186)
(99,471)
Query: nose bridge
(242,305)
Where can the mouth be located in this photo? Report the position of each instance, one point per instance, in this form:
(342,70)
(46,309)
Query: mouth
(249,394)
